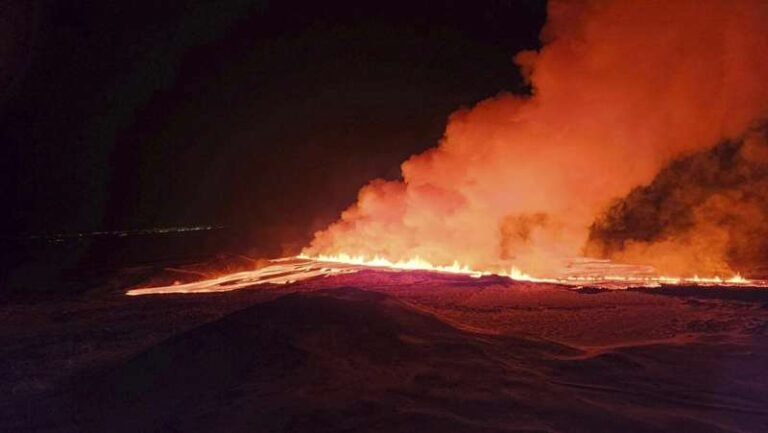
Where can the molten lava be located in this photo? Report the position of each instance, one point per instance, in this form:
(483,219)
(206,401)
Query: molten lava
(418,264)
(292,269)
(581,272)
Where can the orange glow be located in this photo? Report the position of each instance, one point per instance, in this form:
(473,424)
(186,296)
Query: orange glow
(620,89)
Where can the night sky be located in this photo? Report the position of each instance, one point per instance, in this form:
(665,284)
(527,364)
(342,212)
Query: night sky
(263,117)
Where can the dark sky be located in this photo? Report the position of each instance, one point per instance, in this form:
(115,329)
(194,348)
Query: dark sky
(263,116)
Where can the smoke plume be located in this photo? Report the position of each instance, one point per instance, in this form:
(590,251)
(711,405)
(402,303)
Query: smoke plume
(620,89)
(706,212)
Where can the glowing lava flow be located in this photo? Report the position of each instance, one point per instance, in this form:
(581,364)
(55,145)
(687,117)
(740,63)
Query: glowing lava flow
(280,271)
(292,269)
(416,264)
(645,278)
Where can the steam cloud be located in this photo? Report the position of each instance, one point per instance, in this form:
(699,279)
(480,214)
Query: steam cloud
(620,89)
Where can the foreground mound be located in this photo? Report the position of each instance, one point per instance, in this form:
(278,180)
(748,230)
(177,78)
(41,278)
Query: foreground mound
(352,360)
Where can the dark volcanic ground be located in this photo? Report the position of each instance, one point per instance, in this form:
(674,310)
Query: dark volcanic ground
(382,351)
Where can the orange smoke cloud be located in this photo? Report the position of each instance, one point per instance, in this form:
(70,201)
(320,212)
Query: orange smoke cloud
(619,90)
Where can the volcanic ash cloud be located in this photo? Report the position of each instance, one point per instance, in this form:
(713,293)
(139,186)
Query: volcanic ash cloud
(619,90)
